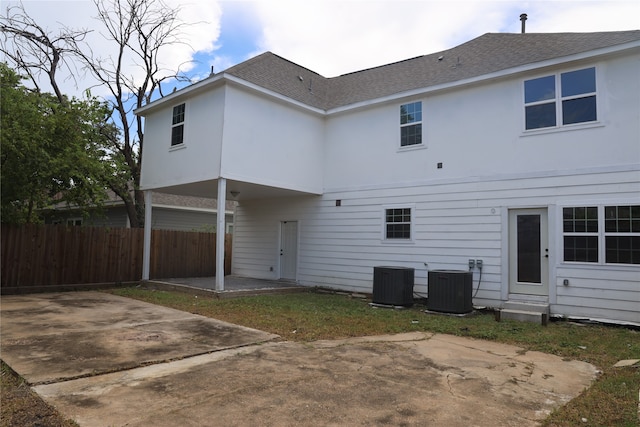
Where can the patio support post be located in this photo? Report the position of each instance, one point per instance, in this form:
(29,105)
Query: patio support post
(220,232)
(146,248)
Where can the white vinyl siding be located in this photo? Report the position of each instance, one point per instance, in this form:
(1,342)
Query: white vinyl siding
(453,222)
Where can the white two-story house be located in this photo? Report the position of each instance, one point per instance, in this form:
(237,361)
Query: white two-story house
(518,150)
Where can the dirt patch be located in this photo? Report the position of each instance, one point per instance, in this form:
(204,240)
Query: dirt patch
(22,407)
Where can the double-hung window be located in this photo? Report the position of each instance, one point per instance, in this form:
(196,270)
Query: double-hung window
(580,226)
(560,100)
(397,224)
(411,124)
(177,125)
(602,234)
(622,234)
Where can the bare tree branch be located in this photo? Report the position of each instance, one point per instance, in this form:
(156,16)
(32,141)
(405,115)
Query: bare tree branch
(139,31)
(33,50)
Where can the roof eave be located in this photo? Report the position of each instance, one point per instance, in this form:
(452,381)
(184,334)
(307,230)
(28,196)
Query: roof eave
(180,94)
(610,50)
(273,94)
(219,80)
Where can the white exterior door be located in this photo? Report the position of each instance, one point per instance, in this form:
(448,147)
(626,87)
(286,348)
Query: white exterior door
(528,252)
(288,249)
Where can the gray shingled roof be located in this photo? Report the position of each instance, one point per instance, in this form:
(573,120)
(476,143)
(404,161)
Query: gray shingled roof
(275,73)
(484,55)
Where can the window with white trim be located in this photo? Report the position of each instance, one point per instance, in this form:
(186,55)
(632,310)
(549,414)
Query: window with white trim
(602,234)
(560,99)
(397,223)
(411,124)
(177,125)
(580,227)
(622,234)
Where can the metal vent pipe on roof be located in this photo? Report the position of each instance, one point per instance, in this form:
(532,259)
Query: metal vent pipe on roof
(523,19)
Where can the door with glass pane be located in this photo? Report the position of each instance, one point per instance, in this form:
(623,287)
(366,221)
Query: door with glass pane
(528,252)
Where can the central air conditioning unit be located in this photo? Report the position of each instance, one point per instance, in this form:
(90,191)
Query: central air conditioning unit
(450,291)
(393,285)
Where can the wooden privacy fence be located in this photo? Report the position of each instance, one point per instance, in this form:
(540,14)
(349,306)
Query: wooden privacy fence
(50,255)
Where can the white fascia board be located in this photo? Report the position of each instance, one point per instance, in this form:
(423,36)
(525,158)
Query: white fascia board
(224,77)
(186,208)
(214,81)
(488,77)
(183,208)
(273,94)
(180,94)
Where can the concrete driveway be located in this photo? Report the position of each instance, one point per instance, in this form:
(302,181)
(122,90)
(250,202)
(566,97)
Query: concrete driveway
(105,360)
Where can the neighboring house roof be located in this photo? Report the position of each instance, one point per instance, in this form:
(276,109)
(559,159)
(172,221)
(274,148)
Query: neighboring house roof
(481,56)
(187,202)
(163,199)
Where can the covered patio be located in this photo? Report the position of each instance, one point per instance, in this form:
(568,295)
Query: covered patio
(234,286)
(221,189)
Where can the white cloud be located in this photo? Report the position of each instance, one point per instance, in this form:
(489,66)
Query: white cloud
(199,35)
(335,37)
(583,16)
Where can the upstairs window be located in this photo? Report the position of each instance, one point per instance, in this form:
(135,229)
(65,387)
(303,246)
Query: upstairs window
(177,125)
(398,224)
(411,124)
(564,99)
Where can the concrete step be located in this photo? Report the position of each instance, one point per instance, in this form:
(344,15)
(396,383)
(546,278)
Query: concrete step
(527,306)
(524,316)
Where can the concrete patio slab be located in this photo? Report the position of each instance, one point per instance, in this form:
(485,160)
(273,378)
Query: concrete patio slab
(404,379)
(54,337)
(234,286)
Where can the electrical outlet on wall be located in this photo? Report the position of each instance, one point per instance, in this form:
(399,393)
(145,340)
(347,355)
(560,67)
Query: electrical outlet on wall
(479,263)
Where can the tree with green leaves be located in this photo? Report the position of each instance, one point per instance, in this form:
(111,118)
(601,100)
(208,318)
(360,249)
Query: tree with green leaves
(50,151)
(139,31)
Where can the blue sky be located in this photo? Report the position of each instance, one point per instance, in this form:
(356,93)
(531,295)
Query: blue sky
(334,37)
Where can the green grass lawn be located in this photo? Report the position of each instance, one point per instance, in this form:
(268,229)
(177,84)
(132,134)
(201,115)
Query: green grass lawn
(611,401)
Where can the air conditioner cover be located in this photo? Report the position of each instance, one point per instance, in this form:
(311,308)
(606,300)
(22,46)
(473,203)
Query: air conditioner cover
(393,285)
(450,291)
